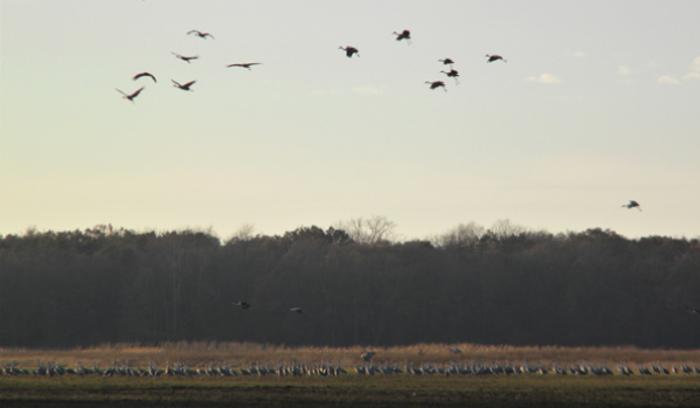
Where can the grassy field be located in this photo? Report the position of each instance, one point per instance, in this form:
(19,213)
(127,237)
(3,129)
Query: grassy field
(349,390)
(242,354)
(352,391)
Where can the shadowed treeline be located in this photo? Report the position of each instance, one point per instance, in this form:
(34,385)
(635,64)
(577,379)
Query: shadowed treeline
(502,285)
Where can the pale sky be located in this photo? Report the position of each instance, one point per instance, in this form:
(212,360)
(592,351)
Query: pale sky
(599,103)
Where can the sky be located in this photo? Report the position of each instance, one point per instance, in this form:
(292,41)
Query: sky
(598,103)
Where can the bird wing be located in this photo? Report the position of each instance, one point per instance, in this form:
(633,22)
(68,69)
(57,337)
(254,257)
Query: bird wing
(208,35)
(145,74)
(189,84)
(193,32)
(177,83)
(137,92)
(121,92)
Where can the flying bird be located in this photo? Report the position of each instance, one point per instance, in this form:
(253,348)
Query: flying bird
(632,204)
(446,61)
(184,58)
(296,310)
(184,87)
(494,58)
(452,73)
(200,34)
(242,304)
(245,65)
(144,74)
(350,51)
(131,96)
(436,85)
(403,35)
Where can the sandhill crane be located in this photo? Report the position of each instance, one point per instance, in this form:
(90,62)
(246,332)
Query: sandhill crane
(446,61)
(632,204)
(296,310)
(350,51)
(245,65)
(242,304)
(144,74)
(184,58)
(403,35)
(131,96)
(452,73)
(200,34)
(367,356)
(436,85)
(494,58)
(184,87)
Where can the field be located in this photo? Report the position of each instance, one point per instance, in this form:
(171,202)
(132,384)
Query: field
(351,389)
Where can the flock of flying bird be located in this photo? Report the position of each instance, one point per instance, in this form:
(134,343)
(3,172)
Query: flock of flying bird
(350,52)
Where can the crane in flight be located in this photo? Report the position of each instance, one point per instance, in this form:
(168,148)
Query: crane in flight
(296,310)
(446,61)
(184,87)
(242,304)
(436,85)
(452,73)
(350,51)
(144,74)
(200,34)
(132,95)
(185,58)
(246,65)
(403,35)
(632,204)
(494,58)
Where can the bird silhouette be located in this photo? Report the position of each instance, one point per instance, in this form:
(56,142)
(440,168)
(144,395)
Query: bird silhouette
(350,51)
(446,61)
(403,35)
(242,304)
(144,74)
(200,34)
(494,58)
(184,87)
(632,204)
(131,96)
(185,58)
(452,73)
(436,85)
(296,310)
(246,65)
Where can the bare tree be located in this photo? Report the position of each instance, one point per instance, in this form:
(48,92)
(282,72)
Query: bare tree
(245,232)
(371,231)
(505,228)
(463,235)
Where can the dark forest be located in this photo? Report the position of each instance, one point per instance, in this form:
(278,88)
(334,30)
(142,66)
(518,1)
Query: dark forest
(503,285)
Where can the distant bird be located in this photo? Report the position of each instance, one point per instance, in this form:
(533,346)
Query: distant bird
(184,58)
(296,310)
(131,96)
(184,87)
(350,51)
(446,61)
(452,73)
(403,35)
(436,85)
(367,356)
(242,304)
(200,34)
(494,58)
(693,310)
(144,74)
(632,204)
(245,65)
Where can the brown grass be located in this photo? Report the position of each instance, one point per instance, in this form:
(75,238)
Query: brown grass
(200,354)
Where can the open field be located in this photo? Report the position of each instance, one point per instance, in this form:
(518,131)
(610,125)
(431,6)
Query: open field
(352,391)
(200,354)
(673,390)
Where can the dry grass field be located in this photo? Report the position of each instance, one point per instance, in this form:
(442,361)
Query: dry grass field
(199,354)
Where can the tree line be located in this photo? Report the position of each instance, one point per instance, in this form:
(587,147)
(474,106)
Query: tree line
(498,285)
